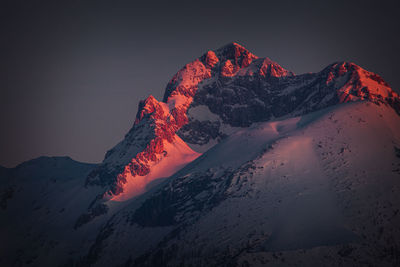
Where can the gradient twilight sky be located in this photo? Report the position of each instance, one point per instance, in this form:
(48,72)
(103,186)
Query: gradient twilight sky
(72,73)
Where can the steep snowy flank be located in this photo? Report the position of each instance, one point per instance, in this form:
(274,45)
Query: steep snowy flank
(321,188)
(176,156)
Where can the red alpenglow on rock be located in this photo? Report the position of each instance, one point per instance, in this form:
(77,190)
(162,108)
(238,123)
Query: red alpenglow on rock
(360,84)
(273,69)
(210,97)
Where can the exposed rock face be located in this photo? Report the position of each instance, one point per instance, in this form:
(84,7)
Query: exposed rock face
(225,89)
(261,90)
(153,126)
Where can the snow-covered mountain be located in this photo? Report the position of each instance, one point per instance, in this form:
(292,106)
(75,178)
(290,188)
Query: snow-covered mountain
(221,92)
(243,163)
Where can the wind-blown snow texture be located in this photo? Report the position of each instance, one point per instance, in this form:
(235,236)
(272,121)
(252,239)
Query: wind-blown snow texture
(242,163)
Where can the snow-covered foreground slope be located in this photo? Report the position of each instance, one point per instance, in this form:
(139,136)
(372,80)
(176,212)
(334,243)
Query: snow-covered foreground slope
(321,190)
(315,190)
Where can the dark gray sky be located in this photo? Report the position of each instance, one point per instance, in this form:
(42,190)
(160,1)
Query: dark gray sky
(72,73)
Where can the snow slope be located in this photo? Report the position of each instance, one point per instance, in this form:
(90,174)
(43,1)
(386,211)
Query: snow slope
(320,189)
(178,154)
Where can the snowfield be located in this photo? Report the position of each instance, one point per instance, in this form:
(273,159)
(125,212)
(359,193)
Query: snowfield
(304,191)
(321,188)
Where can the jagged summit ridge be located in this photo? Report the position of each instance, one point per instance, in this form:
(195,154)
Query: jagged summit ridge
(236,54)
(227,88)
(227,61)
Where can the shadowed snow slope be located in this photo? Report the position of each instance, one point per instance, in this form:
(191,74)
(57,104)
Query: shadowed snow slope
(41,201)
(311,186)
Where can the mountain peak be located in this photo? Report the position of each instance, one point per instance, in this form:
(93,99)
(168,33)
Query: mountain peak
(270,68)
(232,45)
(236,53)
(224,89)
(360,84)
(148,106)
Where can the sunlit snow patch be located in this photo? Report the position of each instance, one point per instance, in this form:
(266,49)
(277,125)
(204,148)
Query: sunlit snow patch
(178,155)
